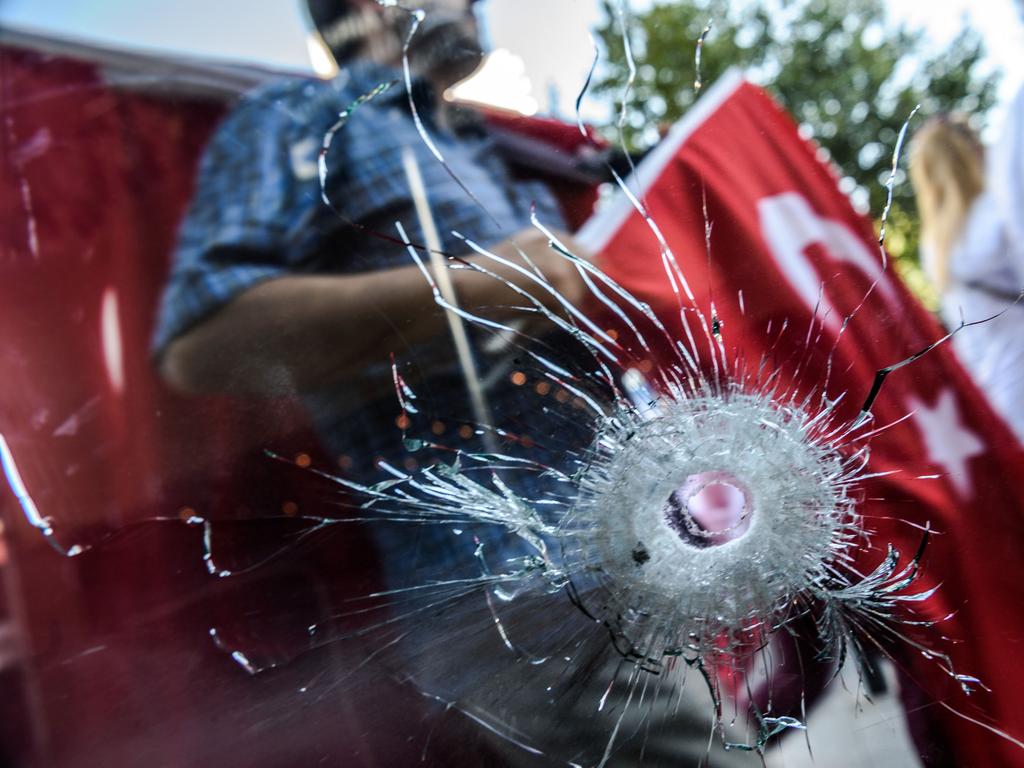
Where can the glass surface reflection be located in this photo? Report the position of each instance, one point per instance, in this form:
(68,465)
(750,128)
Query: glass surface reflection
(282,489)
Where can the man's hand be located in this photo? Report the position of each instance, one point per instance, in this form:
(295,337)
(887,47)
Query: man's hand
(480,292)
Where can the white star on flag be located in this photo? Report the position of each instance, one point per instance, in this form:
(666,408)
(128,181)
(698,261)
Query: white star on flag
(947,441)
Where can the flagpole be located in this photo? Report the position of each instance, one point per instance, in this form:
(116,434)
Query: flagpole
(478,400)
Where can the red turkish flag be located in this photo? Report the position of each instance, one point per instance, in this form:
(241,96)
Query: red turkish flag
(785,241)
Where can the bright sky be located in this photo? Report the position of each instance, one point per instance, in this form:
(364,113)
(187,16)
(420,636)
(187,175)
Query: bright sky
(543,49)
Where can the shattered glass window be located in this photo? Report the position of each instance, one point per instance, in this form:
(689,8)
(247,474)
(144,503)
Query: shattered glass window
(590,384)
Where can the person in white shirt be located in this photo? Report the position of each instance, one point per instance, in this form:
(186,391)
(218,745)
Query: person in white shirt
(971,204)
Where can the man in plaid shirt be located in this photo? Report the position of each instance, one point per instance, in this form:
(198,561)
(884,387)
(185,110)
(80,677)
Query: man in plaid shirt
(274,291)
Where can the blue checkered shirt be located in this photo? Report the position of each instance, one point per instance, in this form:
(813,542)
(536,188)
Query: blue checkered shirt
(258,214)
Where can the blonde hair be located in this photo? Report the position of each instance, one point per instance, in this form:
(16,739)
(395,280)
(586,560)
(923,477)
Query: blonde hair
(947,172)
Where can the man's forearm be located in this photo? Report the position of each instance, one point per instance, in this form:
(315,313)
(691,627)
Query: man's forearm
(297,333)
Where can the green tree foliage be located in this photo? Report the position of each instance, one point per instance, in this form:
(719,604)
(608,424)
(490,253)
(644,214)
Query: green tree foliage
(846,74)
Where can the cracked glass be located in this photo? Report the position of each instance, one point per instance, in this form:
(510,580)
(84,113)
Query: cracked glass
(372,417)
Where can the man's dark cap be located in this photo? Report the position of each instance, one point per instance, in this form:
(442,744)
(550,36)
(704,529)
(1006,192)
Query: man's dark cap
(323,13)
